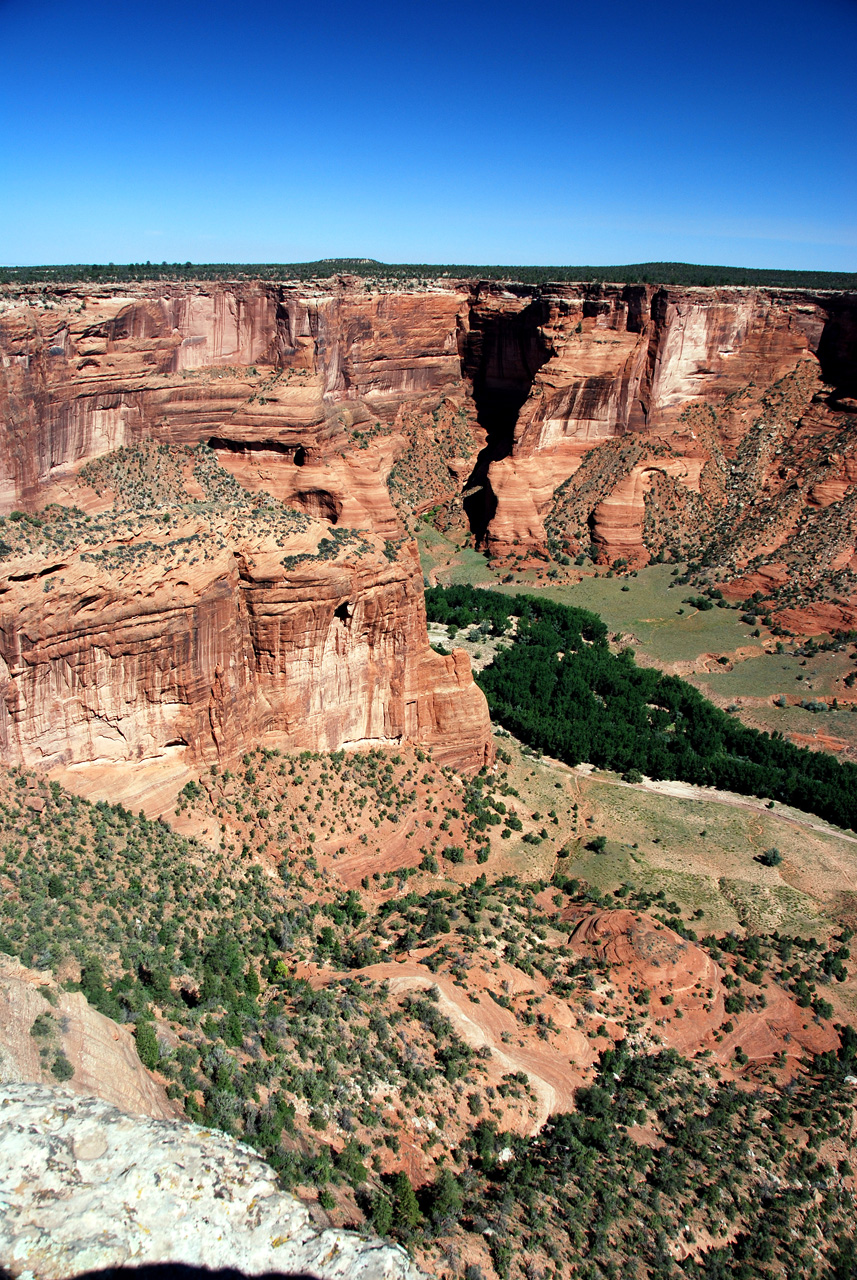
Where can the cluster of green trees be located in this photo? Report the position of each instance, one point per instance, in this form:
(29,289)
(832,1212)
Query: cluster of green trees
(584,1197)
(679,273)
(561,689)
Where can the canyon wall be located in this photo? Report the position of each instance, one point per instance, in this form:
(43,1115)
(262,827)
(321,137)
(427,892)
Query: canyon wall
(114,649)
(321,393)
(132,641)
(295,388)
(620,421)
(656,387)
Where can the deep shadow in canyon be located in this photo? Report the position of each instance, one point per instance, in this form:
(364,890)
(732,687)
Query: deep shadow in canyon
(501,354)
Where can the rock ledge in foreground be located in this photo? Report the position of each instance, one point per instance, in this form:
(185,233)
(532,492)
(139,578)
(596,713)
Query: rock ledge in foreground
(84,1188)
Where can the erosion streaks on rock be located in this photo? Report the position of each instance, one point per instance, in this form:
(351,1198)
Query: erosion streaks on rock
(147,643)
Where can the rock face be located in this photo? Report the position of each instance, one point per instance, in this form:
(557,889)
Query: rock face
(289,384)
(117,647)
(38,1021)
(313,393)
(85,1188)
(616,419)
(131,642)
(626,364)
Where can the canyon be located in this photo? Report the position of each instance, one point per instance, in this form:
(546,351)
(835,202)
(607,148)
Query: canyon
(214,499)
(625,422)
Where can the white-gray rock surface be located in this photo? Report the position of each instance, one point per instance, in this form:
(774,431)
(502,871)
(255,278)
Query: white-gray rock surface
(84,1187)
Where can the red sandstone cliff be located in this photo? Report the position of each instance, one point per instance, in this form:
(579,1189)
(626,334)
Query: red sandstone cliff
(317,393)
(667,385)
(296,388)
(125,638)
(626,419)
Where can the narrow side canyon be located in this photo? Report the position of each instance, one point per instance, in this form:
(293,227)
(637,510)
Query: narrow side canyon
(272,588)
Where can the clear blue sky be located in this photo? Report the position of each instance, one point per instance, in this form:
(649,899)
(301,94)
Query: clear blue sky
(555,133)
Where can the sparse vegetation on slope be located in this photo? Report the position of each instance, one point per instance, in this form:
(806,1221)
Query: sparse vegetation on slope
(325,1024)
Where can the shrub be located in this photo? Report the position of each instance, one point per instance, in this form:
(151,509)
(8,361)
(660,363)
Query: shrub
(147,1045)
(381,1213)
(62,1068)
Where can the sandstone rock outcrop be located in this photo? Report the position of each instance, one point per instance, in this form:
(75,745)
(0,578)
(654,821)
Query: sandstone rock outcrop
(39,1021)
(304,390)
(629,361)
(686,993)
(617,419)
(123,639)
(290,384)
(86,1188)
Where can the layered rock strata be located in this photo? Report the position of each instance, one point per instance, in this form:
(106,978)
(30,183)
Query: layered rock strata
(619,420)
(630,364)
(315,393)
(293,386)
(85,1188)
(125,639)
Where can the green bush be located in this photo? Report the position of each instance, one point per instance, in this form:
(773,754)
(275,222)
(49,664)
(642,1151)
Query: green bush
(147,1045)
(62,1068)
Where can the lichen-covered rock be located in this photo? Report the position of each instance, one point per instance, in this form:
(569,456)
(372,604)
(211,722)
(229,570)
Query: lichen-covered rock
(84,1187)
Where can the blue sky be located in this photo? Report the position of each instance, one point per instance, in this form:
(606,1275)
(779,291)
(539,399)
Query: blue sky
(554,133)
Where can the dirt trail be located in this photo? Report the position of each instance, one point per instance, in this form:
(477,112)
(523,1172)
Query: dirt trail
(552,1077)
(553,1073)
(687,791)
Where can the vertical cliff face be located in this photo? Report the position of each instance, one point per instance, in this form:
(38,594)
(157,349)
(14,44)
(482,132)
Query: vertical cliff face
(136,642)
(315,393)
(627,370)
(279,379)
(166,625)
(617,419)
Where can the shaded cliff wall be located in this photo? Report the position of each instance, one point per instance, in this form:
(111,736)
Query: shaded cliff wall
(302,389)
(627,363)
(126,649)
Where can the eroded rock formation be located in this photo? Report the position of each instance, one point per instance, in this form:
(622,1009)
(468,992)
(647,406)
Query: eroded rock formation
(294,387)
(620,420)
(40,1023)
(631,368)
(307,390)
(86,1188)
(684,988)
(126,639)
